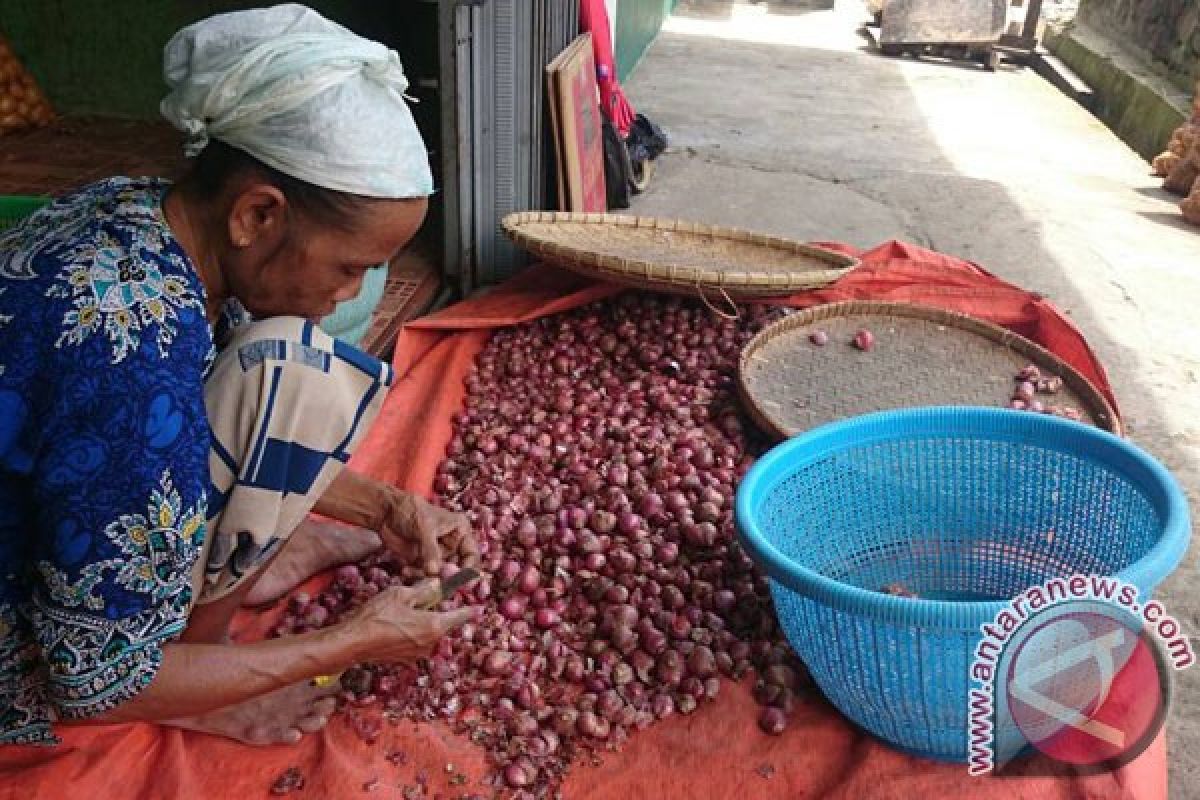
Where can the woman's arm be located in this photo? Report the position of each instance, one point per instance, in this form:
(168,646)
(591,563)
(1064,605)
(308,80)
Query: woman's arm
(355,499)
(194,679)
(197,678)
(410,526)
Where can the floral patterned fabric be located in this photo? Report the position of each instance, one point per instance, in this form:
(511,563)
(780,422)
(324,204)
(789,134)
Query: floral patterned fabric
(104,448)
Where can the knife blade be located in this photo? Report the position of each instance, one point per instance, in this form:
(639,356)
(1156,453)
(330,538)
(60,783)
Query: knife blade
(451,585)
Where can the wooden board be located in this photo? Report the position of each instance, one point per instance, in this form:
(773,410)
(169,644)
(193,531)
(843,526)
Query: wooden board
(74,151)
(560,169)
(576,108)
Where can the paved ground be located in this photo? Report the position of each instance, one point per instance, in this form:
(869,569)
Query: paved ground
(782,120)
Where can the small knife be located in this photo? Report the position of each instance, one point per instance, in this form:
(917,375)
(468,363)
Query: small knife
(451,585)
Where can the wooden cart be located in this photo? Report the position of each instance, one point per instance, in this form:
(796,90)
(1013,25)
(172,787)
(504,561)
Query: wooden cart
(966,30)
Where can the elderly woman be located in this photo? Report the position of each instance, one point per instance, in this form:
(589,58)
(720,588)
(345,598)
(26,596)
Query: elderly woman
(169,413)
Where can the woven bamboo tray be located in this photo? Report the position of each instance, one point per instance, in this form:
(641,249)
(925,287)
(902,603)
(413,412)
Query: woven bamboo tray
(672,255)
(921,357)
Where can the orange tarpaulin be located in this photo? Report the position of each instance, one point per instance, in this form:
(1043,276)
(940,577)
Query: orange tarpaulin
(717,752)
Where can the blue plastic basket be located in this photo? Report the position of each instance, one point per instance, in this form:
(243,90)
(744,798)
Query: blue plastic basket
(957,505)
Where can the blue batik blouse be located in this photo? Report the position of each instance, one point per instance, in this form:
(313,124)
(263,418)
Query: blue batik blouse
(104,447)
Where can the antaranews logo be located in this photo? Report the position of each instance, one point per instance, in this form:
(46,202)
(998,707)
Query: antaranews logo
(1077,669)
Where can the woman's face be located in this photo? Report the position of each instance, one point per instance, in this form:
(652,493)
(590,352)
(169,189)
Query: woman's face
(304,269)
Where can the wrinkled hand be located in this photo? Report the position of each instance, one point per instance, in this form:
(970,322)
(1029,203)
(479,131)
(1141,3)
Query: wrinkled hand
(413,528)
(390,626)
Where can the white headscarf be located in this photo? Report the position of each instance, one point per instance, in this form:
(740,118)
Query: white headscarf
(301,94)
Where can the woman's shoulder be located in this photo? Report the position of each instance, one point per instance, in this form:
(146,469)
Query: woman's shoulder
(99,270)
(112,213)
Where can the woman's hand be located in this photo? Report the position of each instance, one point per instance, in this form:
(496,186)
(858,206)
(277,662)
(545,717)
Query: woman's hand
(390,626)
(414,528)
(411,527)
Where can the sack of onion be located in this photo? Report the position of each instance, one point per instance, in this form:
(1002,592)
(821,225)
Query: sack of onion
(1179,164)
(1191,207)
(22,104)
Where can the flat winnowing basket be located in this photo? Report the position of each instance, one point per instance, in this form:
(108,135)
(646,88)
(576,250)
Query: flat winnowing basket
(676,256)
(922,357)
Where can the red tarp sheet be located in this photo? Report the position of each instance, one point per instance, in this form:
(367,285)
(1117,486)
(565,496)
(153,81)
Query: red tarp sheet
(716,752)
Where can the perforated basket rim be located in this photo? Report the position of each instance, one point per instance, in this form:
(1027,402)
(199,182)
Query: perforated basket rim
(939,421)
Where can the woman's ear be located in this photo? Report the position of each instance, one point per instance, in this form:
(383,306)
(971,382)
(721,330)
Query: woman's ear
(257,217)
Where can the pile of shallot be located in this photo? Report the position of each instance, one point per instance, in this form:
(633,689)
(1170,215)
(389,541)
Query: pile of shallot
(1030,382)
(597,456)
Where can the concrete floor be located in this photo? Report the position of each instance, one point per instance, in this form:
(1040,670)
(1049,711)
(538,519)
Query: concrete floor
(784,121)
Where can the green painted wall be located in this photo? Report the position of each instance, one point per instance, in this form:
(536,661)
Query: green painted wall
(637,23)
(106,57)
(1166,32)
(1137,111)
